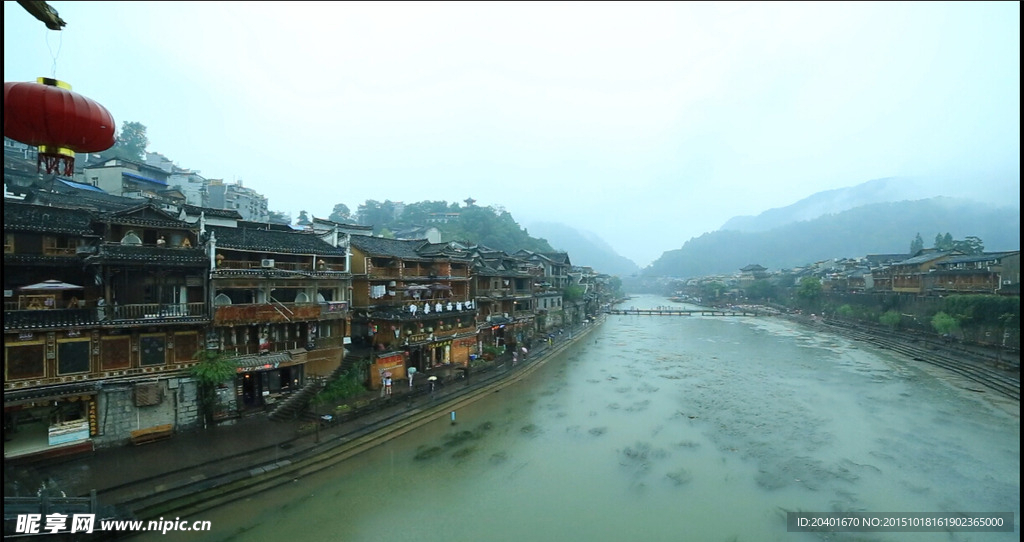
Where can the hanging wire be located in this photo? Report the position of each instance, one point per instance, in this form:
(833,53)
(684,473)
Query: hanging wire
(60,44)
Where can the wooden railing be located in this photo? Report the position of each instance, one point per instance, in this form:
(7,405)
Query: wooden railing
(152,311)
(275,346)
(287,266)
(60,251)
(155,312)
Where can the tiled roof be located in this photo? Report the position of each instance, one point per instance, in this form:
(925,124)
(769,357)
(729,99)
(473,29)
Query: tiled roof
(498,267)
(923,258)
(273,241)
(42,260)
(135,254)
(395,248)
(82,199)
(267,226)
(441,250)
(558,257)
(971,258)
(81,186)
(20,216)
(223,213)
(145,214)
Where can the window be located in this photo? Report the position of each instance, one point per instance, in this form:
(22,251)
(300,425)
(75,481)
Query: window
(73,356)
(185,347)
(115,353)
(152,350)
(25,360)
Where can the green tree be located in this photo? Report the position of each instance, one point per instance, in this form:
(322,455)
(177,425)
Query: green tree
(130,143)
(943,242)
(712,291)
(809,291)
(615,288)
(346,385)
(760,289)
(377,214)
(340,213)
(944,324)
(572,292)
(917,245)
(213,369)
(846,311)
(277,217)
(890,318)
(303,219)
(969,245)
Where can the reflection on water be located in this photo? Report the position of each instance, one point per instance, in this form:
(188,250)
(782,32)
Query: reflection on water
(669,428)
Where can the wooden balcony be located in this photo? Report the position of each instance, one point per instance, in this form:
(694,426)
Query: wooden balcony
(308,267)
(148,313)
(266,313)
(334,310)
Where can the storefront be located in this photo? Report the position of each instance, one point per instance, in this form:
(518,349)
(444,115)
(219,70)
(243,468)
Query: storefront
(266,379)
(391,364)
(56,420)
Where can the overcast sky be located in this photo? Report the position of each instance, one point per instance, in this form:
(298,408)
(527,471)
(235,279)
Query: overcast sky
(648,124)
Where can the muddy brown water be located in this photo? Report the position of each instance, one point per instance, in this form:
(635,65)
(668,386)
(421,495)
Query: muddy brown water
(669,428)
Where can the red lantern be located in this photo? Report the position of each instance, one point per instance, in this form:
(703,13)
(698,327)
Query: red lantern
(48,115)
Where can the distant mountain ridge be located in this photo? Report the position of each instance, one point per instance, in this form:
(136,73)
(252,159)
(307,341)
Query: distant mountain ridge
(868,229)
(584,248)
(889,189)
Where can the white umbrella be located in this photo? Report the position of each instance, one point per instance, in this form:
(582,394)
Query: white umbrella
(51,285)
(432,378)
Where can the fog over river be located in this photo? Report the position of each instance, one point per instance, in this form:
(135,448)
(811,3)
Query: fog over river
(670,428)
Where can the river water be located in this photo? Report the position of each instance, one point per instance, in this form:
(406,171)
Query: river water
(670,428)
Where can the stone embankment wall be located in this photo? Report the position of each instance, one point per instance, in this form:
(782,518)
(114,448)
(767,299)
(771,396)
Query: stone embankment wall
(176,404)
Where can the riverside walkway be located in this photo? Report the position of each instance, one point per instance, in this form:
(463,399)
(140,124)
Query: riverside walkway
(686,312)
(198,469)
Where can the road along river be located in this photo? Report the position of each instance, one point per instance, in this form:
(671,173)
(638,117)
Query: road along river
(669,428)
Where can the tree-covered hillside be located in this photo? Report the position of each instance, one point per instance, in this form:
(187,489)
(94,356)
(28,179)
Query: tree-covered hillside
(884,228)
(489,226)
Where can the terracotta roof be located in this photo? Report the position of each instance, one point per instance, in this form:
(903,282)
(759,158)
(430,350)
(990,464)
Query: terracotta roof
(20,216)
(273,241)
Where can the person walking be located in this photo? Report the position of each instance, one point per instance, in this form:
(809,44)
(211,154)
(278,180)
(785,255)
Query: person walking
(387,386)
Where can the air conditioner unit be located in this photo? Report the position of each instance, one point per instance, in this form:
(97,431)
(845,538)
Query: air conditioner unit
(267,262)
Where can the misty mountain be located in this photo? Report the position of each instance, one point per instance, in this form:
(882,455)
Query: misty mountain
(889,189)
(880,228)
(584,248)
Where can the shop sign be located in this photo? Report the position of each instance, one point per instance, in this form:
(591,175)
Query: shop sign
(263,367)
